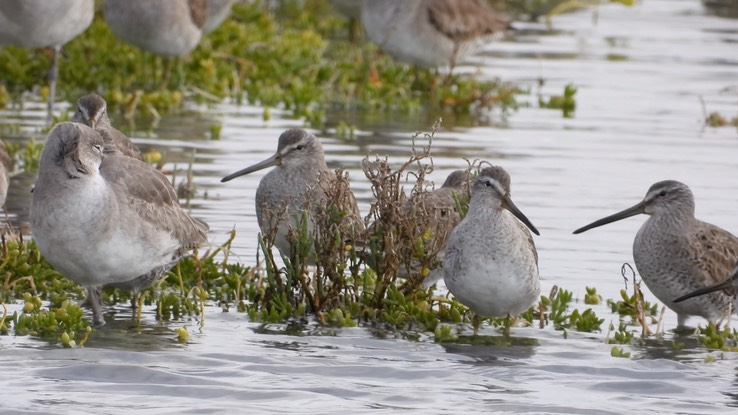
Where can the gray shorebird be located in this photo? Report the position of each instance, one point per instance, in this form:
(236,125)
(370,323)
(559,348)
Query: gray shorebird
(106,218)
(676,253)
(440,207)
(431,33)
(92,110)
(165,27)
(491,263)
(44,23)
(299,183)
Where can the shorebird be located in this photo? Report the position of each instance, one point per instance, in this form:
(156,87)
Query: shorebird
(730,287)
(431,33)
(491,262)
(676,253)
(92,110)
(44,23)
(165,27)
(106,218)
(6,165)
(439,206)
(300,182)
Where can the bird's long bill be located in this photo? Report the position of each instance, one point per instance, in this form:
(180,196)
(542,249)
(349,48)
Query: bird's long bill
(271,161)
(508,204)
(631,211)
(702,291)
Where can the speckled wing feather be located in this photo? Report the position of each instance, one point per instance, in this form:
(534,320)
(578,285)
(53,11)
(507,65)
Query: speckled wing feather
(462,20)
(715,252)
(198,11)
(154,198)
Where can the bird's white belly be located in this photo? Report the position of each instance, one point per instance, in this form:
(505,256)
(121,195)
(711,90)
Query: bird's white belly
(492,288)
(71,234)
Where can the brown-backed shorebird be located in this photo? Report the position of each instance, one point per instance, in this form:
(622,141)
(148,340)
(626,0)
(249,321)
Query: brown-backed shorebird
(6,165)
(92,110)
(676,253)
(165,27)
(431,33)
(491,262)
(299,183)
(106,218)
(729,286)
(439,206)
(44,23)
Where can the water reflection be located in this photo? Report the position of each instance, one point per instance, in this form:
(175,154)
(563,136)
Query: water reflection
(493,350)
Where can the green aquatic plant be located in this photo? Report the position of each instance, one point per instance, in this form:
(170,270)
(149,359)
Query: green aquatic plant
(715,338)
(591,297)
(566,102)
(64,323)
(623,335)
(619,352)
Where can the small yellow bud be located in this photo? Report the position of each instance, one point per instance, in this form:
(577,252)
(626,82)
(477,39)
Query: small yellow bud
(28,307)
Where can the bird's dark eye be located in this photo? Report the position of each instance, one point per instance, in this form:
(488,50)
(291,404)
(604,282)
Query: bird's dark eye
(662,193)
(488,184)
(300,147)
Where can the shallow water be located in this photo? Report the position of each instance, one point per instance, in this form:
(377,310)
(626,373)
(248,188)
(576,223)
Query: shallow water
(640,72)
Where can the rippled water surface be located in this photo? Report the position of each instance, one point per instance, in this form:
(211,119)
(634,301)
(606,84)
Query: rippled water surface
(640,73)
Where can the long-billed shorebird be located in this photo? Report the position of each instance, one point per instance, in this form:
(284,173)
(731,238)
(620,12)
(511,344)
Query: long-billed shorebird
(165,27)
(92,110)
(440,207)
(299,183)
(491,263)
(431,33)
(676,253)
(106,218)
(44,23)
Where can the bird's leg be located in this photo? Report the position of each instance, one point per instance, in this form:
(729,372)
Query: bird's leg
(476,322)
(87,302)
(508,323)
(94,301)
(53,75)
(134,300)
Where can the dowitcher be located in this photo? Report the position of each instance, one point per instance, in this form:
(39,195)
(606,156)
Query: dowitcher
(92,110)
(729,286)
(165,27)
(676,253)
(300,182)
(106,218)
(439,206)
(44,23)
(431,33)
(491,263)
